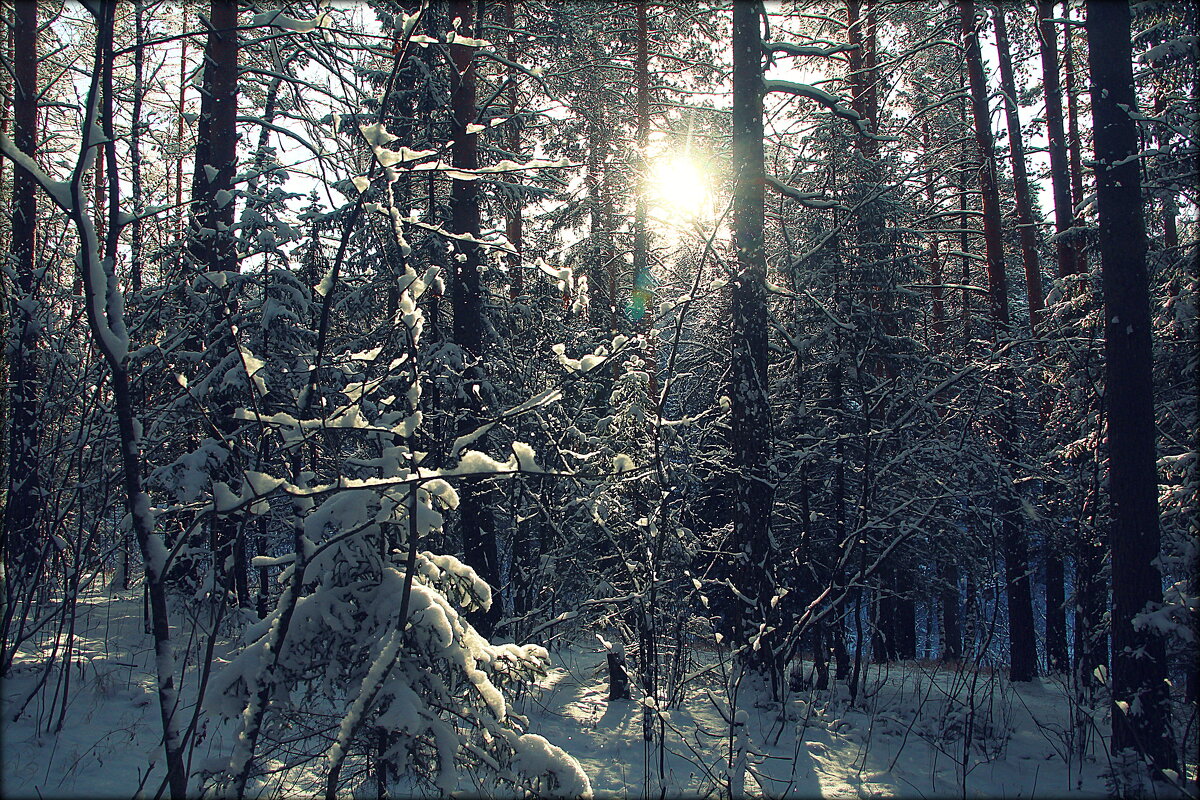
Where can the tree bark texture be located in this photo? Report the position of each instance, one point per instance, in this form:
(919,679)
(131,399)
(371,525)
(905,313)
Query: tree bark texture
(602,270)
(135,153)
(1023,650)
(211,243)
(514,225)
(1016,142)
(1074,140)
(478,528)
(641,299)
(1140,692)
(1060,168)
(951,633)
(936,263)
(20,536)
(1056,623)
(751,423)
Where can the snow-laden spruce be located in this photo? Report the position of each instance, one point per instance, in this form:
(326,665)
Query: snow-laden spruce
(369,628)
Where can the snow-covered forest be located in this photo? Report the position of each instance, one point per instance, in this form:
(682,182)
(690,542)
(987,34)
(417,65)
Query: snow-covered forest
(520,398)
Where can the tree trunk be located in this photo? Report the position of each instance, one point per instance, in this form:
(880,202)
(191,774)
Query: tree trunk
(475,519)
(1057,658)
(1139,668)
(601,272)
(135,152)
(1091,590)
(936,266)
(1074,145)
(514,226)
(951,634)
(641,300)
(20,547)
(1060,169)
(751,424)
(98,203)
(640,309)
(211,244)
(992,233)
(906,627)
(1056,623)
(183,48)
(964,244)
(883,623)
(971,619)
(948,599)
(98,281)
(1025,225)
(1023,650)
(1060,178)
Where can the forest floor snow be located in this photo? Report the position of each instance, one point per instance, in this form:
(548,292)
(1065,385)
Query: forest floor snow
(903,736)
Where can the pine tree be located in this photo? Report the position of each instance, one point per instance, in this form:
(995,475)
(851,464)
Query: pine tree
(23,501)
(1140,693)
(750,430)
(1023,652)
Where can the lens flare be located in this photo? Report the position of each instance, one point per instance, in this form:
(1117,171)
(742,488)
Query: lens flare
(679,189)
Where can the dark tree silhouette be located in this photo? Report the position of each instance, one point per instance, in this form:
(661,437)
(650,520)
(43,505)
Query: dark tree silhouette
(1023,650)
(1141,713)
(750,434)
(477,526)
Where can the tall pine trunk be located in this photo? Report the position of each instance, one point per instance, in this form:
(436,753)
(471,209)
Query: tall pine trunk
(477,526)
(1141,714)
(1056,623)
(937,267)
(641,270)
(1025,226)
(750,434)
(602,270)
(641,301)
(1091,589)
(21,547)
(211,245)
(948,598)
(1022,647)
(1074,139)
(1060,168)
(183,82)
(515,224)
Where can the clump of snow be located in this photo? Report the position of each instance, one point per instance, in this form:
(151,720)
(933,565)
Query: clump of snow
(535,757)
(285,23)
(526,457)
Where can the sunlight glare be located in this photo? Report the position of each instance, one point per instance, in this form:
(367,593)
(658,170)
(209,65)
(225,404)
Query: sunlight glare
(679,188)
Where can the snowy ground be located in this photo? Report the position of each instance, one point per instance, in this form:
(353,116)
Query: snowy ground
(903,739)
(904,736)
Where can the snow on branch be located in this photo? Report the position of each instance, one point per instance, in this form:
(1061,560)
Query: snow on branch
(276,19)
(830,101)
(104,295)
(806,199)
(59,191)
(789,49)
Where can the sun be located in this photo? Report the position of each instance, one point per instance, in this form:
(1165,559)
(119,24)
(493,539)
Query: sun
(679,188)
